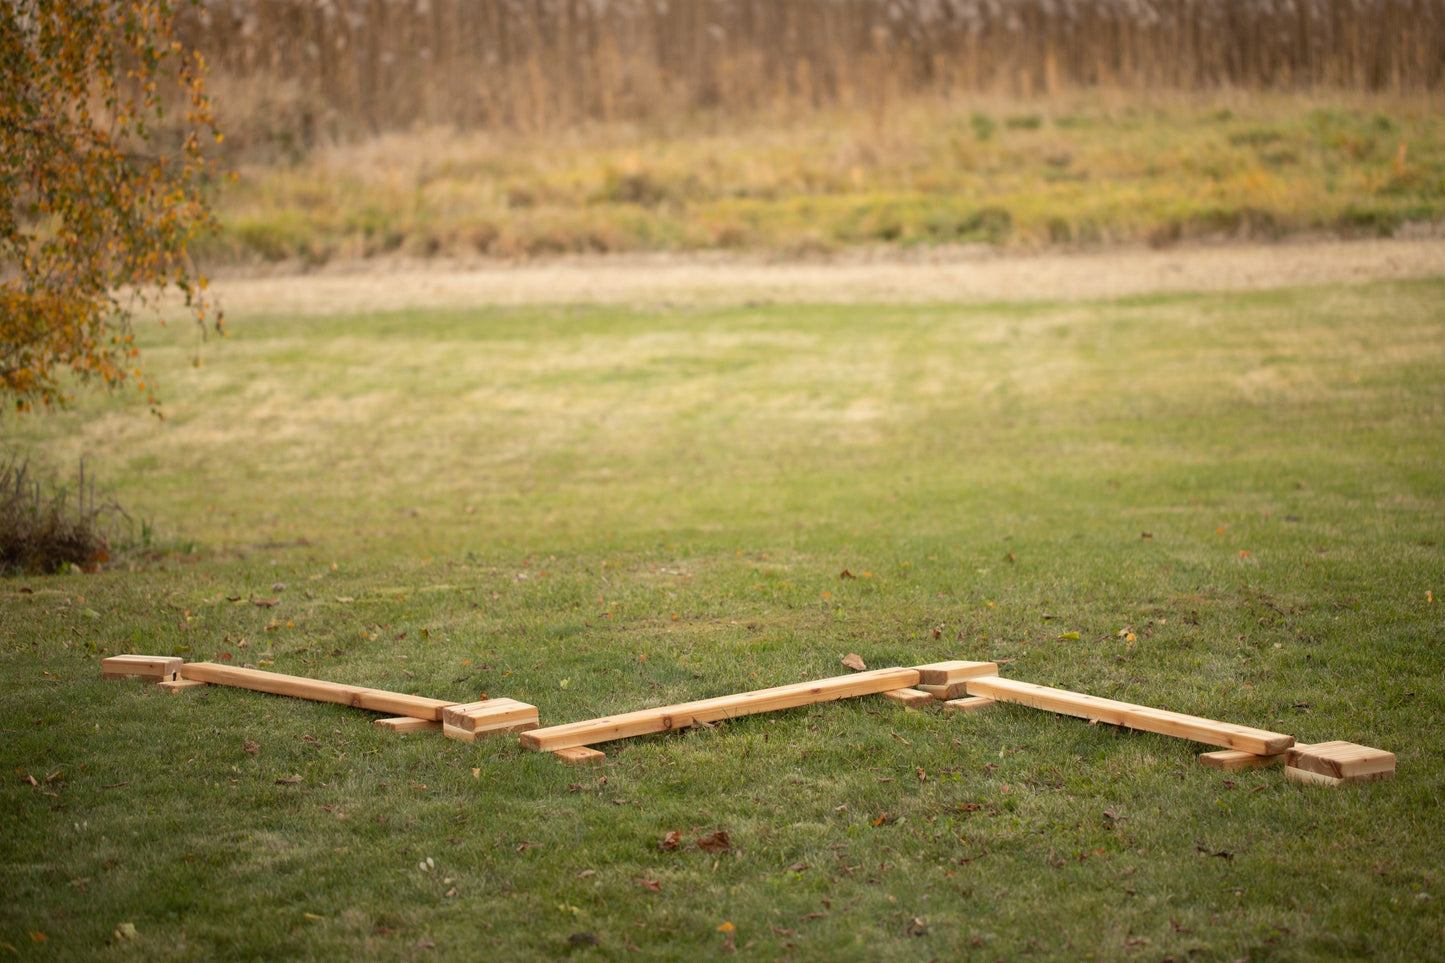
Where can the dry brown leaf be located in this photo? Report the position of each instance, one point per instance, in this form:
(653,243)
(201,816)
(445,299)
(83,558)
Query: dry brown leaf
(251,747)
(717,842)
(645,883)
(854,661)
(671,841)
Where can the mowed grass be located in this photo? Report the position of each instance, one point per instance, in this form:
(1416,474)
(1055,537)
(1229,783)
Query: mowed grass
(1235,503)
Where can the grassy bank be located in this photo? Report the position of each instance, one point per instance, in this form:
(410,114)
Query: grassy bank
(1227,505)
(1084,170)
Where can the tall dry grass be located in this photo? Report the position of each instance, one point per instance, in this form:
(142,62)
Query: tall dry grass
(308,70)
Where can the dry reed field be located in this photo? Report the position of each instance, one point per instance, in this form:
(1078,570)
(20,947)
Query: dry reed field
(356,66)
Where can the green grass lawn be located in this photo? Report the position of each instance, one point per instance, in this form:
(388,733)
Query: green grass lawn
(1236,503)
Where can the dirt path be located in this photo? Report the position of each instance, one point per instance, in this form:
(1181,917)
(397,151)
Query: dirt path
(955,275)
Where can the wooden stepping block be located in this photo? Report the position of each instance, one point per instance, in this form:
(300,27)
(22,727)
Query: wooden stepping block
(580,755)
(909,697)
(472,720)
(156,668)
(177,685)
(947,673)
(971,704)
(408,724)
(1333,763)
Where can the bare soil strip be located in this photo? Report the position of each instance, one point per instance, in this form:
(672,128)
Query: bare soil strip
(957,275)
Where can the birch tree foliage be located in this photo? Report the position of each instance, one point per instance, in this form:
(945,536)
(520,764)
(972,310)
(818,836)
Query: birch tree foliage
(104,173)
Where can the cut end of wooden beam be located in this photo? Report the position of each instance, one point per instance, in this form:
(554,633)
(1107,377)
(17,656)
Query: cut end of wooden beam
(970,704)
(580,755)
(954,690)
(489,715)
(408,724)
(947,673)
(1344,761)
(156,668)
(1232,760)
(176,685)
(1310,778)
(909,697)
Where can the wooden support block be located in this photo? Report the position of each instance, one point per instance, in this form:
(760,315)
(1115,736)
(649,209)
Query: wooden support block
(176,685)
(971,704)
(409,724)
(909,697)
(1344,761)
(1207,731)
(156,668)
(580,755)
(358,697)
(664,718)
(1232,760)
(472,735)
(947,673)
(490,715)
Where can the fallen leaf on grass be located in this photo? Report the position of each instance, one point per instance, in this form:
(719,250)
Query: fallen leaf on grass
(587,874)
(651,884)
(583,939)
(717,842)
(264,603)
(854,661)
(288,780)
(126,931)
(813,916)
(1071,636)
(915,927)
(38,937)
(450,893)
(797,867)
(251,748)
(671,841)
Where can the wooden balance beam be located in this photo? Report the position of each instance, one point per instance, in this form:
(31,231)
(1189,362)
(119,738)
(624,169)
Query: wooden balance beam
(1208,731)
(666,718)
(359,697)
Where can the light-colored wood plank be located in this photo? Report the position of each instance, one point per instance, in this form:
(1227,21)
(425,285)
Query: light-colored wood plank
(970,704)
(580,755)
(1197,729)
(1312,778)
(359,697)
(177,685)
(664,718)
(947,673)
(1233,760)
(472,735)
(488,714)
(157,668)
(409,724)
(909,697)
(1343,760)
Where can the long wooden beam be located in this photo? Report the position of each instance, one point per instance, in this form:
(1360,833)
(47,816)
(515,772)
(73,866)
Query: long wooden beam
(360,697)
(1207,731)
(681,716)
